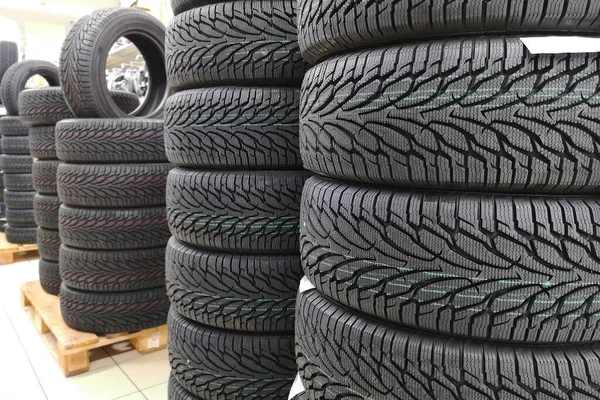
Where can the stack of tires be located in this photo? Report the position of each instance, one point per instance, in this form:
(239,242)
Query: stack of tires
(453,236)
(233,267)
(16,160)
(111,184)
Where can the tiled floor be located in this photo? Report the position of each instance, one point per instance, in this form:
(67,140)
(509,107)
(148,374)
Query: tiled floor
(28,371)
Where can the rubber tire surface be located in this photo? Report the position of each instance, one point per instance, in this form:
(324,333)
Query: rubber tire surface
(220,364)
(42,142)
(16,164)
(18,200)
(47,106)
(20,218)
(44,176)
(476,114)
(18,182)
(9,55)
(235,43)
(12,126)
(113,271)
(15,145)
(107,313)
(110,140)
(48,244)
(113,229)
(178,392)
(15,78)
(242,292)
(46,210)
(236,211)
(234,127)
(49,276)
(18,235)
(116,185)
(502,268)
(335,26)
(180,6)
(86,48)
(340,354)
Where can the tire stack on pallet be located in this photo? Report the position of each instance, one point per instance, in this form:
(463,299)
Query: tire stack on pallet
(453,238)
(112,220)
(16,160)
(233,267)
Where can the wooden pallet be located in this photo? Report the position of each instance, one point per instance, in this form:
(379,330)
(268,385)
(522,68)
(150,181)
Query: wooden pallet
(10,251)
(71,348)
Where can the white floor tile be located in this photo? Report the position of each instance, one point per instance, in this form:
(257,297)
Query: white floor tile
(134,396)
(158,392)
(148,370)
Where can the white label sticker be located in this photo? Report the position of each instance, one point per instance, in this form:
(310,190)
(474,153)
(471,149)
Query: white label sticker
(305,285)
(297,388)
(154,341)
(561,44)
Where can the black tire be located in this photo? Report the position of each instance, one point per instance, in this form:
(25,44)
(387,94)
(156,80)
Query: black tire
(113,271)
(235,43)
(243,292)
(344,355)
(15,78)
(46,211)
(9,55)
(44,176)
(15,145)
(230,365)
(116,185)
(110,140)
(494,267)
(236,211)
(49,276)
(18,200)
(107,313)
(42,142)
(12,126)
(301,396)
(18,235)
(333,26)
(47,106)
(113,229)
(48,244)
(85,51)
(506,126)
(20,218)
(16,164)
(178,392)
(180,6)
(18,182)
(249,128)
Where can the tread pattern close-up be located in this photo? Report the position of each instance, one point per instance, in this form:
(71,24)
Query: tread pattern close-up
(44,176)
(42,142)
(46,210)
(48,244)
(49,276)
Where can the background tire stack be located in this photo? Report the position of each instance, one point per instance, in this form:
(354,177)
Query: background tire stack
(112,219)
(16,160)
(233,201)
(453,234)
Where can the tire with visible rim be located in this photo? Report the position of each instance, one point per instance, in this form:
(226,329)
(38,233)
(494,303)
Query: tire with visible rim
(90,141)
(233,43)
(233,127)
(49,276)
(115,229)
(489,267)
(85,51)
(15,78)
(477,114)
(243,292)
(327,27)
(112,185)
(105,313)
(224,364)
(111,270)
(46,210)
(253,211)
(339,354)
